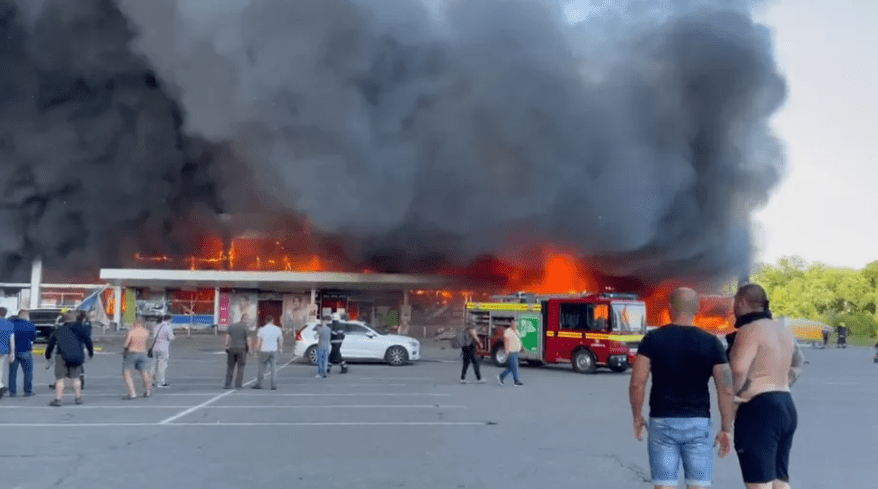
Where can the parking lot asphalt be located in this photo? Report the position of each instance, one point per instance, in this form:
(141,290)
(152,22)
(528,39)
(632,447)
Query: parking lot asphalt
(381,427)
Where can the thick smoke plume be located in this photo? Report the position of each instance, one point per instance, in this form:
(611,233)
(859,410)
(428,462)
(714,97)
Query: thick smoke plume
(94,163)
(638,137)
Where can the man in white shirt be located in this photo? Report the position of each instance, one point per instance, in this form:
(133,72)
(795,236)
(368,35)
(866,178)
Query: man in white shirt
(512,344)
(269,343)
(161,351)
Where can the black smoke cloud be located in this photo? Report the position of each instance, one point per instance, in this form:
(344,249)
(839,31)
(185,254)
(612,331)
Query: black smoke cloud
(94,163)
(638,138)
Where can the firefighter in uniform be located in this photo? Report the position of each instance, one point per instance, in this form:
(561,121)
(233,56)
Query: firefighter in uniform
(335,342)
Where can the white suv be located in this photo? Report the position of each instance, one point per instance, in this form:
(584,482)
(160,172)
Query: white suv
(361,342)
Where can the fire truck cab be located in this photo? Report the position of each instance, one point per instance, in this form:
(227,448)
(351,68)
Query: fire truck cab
(588,332)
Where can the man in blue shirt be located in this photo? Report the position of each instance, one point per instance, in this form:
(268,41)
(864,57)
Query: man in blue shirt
(7,349)
(25,332)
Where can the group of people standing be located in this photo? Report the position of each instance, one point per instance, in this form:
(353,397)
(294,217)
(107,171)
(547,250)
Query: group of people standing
(69,343)
(150,360)
(753,378)
(267,344)
(329,340)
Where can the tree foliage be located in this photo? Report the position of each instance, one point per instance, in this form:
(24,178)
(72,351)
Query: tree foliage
(822,293)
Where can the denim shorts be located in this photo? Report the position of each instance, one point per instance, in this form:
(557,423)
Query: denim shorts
(676,440)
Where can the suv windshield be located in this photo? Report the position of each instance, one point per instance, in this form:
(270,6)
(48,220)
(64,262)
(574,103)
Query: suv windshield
(629,318)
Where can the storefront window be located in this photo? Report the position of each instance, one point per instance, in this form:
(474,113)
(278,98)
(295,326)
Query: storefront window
(192,302)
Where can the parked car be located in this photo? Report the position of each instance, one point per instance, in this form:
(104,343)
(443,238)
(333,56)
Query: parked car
(362,342)
(44,320)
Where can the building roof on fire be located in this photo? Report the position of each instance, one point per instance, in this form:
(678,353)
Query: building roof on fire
(275,281)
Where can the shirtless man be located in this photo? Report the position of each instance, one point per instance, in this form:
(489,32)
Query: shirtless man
(135,358)
(766,361)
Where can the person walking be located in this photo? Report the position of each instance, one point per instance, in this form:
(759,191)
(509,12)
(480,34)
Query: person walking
(237,349)
(7,349)
(682,359)
(25,332)
(826,332)
(135,357)
(161,351)
(766,362)
(71,342)
(512,344)
(842,336)
(323,334)
(269,344)
(469,343)
(336,340)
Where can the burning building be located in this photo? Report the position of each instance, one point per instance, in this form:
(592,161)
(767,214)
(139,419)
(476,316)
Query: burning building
(384,138)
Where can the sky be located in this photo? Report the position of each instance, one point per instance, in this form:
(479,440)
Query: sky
(825,208)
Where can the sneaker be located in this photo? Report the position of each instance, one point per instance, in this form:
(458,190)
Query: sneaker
(519,383)
(78,400)
(256,387)
(500,379)
(480,381)
(318,376)
(165,385)
(55,402)
(274,388)
(2,389)
(28,394)
(11,394)
(463,381)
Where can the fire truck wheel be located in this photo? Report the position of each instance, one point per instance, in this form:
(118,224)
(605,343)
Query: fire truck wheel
(500,357)
(583,362)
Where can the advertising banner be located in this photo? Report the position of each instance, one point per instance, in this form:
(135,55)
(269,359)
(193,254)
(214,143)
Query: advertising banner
(244,303)
(296,311)
(130,306)
(224,312)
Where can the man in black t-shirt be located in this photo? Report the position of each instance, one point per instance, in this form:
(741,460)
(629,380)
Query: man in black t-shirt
(681,358)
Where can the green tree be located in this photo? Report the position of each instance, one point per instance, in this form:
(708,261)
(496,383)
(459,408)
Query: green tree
(819,292)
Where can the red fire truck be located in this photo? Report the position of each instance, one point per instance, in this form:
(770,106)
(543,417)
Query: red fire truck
(586,331)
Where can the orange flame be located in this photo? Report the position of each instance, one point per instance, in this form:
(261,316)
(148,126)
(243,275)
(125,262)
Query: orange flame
(248,254)
(559,273)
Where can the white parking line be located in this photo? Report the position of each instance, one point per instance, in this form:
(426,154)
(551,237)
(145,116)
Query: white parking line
(397,378)
(349,406)
(350,394)
(300,406)
(138,406)
(218,424)
(271,394)
(210,401)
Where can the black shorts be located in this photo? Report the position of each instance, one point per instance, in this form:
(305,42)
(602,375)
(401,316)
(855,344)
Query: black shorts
(764,429)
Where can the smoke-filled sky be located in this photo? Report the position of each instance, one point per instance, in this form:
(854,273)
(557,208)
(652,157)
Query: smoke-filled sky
(638,136)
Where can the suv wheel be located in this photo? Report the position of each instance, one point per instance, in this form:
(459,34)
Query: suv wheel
(396,355)
(311,354)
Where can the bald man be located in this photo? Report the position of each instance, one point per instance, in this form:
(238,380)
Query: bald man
(682,359)
(766,361)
